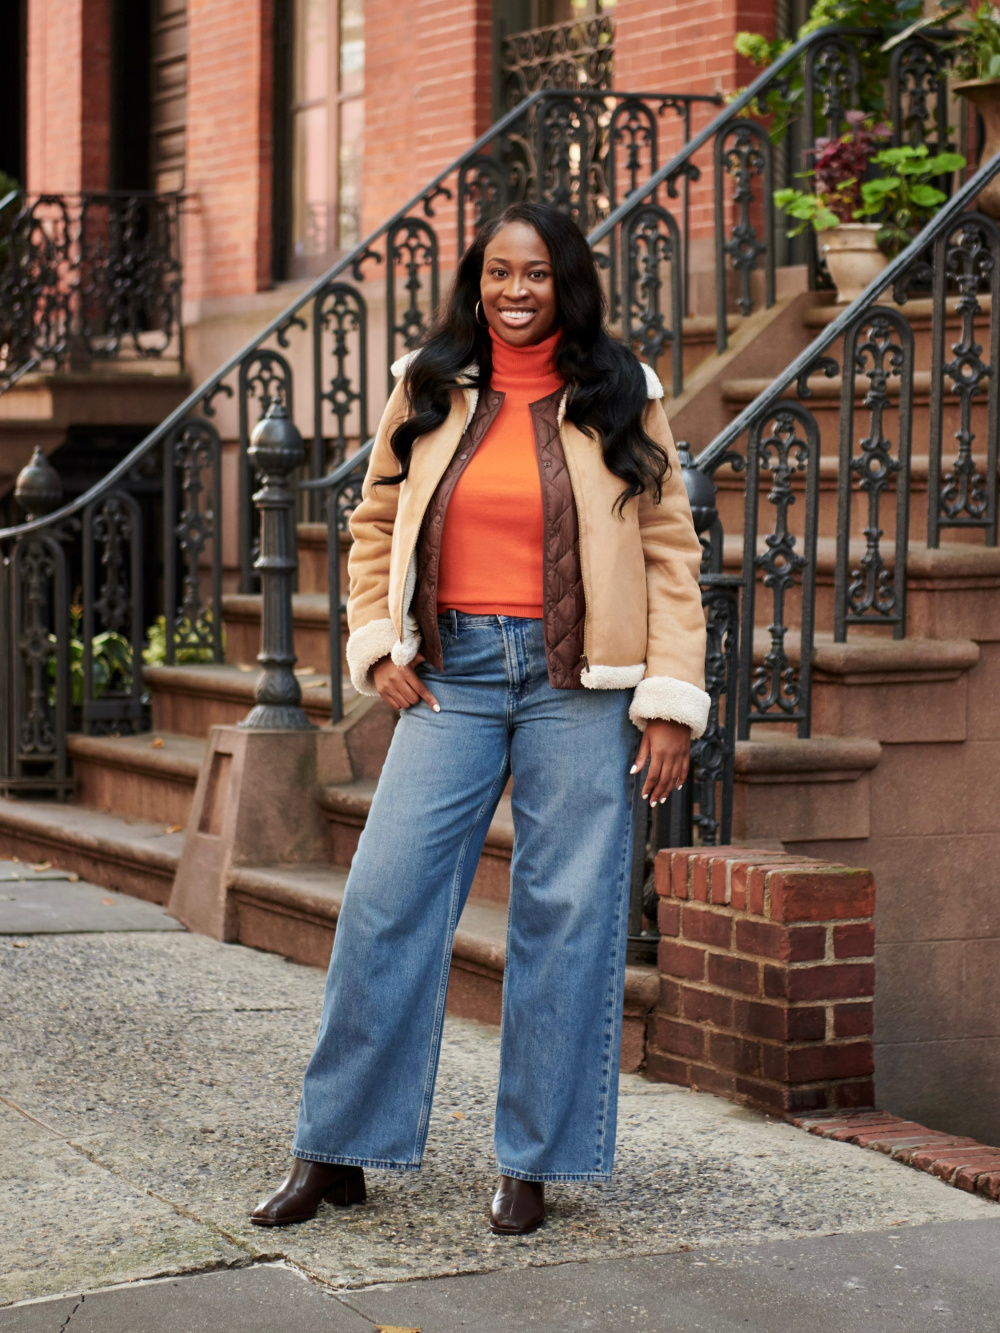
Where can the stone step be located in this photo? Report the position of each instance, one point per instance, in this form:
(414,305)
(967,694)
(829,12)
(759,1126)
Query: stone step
(241,614)
(346,808)
(150,776)
(952,591)
(136,856)
(187,700)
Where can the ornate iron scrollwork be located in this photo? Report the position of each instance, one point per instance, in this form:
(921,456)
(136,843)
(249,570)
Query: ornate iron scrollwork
(650,239)
(90,277)
(966,259)
(482,194)
(743,151)
(411,246)
(192,501)
(341,314)
(918,75)
(566,55)
(782,444)
(112,606)
(879,346)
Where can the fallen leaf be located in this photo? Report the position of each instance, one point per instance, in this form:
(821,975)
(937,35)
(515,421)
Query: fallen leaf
(108,902)
(305,671)
(458,1115)
(245,666)
(173,828)
(41,865)
(314,685)
(156,744)
(20,944)
(394,1328)
(73,877)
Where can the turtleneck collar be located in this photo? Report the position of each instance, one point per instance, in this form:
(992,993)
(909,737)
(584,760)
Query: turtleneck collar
(526,371)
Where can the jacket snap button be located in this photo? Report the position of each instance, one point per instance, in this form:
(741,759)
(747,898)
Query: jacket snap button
(463,455)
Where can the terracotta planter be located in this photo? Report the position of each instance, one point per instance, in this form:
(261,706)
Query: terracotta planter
(852,257)
(984,94)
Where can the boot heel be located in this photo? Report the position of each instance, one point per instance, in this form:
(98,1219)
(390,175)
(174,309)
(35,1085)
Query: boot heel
(347,1191)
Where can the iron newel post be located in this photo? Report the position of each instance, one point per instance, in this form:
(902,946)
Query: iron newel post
(276,450)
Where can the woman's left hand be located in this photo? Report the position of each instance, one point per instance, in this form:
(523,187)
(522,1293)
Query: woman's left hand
(667,747)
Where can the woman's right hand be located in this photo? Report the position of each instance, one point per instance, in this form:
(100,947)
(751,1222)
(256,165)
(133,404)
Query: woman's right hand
(401,687)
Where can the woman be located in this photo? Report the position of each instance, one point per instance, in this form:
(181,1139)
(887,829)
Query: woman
(524,589)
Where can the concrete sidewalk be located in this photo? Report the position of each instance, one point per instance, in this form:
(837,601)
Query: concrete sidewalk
(149,1086)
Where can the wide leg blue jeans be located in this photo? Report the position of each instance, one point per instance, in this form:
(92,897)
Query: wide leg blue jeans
(368,1087)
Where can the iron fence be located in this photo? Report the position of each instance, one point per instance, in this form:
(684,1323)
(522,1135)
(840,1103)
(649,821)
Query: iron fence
(88,277)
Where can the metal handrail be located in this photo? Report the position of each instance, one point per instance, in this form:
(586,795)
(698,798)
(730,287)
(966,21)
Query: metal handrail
(351,260)
(804,362)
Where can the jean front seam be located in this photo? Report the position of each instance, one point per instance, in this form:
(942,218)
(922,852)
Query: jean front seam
(456,890)
(613,983)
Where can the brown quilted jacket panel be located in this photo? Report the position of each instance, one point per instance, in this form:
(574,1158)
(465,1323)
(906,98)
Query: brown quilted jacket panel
(563,597)
(429,545)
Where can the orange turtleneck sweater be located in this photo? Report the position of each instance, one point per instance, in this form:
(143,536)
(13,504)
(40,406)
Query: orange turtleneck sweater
(491,546)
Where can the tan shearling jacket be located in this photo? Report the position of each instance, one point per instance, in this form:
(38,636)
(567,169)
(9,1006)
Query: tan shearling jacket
(644,626)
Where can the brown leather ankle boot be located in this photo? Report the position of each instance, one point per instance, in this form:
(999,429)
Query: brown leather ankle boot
(518,1207)
(306,1186)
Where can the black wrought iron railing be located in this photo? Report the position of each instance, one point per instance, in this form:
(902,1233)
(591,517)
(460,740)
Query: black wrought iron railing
(727,171)
(88,278)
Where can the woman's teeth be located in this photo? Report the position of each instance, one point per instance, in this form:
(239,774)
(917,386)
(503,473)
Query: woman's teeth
(516,316)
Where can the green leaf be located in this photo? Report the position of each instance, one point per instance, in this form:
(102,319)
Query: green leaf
(879,189)
(943,164)
(992,70)
(925,196)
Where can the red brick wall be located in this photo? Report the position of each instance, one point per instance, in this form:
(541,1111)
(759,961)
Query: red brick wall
(228,231)
(766,979)
(69,71)
(428,90)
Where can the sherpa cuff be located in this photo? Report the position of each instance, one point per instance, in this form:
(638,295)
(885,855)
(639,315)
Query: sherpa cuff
(664,698)
(365,647)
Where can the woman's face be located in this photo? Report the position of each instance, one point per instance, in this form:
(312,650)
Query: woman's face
(517,287)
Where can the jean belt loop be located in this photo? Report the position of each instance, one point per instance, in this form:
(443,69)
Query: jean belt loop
(453,616)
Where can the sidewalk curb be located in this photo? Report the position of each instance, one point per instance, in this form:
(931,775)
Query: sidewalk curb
(961,1162)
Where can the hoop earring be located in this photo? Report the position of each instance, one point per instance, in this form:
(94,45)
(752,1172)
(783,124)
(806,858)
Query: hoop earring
(483,323)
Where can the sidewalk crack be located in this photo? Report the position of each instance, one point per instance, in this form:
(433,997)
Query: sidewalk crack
(65,1323)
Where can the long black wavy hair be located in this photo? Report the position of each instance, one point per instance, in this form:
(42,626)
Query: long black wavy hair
(607,386)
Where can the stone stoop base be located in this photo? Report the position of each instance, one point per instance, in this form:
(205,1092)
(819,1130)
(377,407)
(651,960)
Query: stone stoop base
(962,1162)
(766,979)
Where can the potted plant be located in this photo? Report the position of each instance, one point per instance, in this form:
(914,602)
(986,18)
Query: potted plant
(975,53)
(850,247)
(860,223)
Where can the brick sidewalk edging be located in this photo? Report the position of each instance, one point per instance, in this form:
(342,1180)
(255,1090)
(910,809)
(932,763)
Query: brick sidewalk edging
(957,1161)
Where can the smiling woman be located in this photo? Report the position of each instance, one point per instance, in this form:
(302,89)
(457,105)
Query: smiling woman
(524,589)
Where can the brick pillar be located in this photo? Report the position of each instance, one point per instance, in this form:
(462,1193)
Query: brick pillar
(69,95)
(229,146)
(428,95)
(766,979)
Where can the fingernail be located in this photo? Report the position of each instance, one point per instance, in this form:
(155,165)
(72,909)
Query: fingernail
(436,707)
(651,804)
(634,768)
(645,796)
